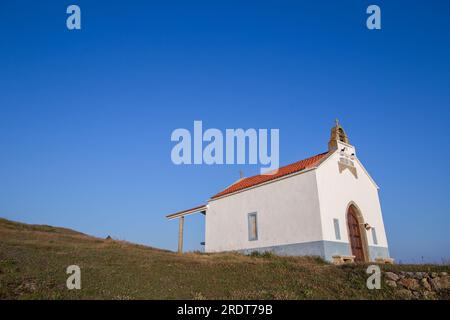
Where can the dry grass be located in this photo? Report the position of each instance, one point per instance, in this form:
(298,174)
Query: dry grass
(33,261)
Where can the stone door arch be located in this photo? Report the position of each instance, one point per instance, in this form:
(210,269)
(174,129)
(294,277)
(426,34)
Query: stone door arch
(357,234)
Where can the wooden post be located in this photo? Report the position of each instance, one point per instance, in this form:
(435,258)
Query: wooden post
(180,235)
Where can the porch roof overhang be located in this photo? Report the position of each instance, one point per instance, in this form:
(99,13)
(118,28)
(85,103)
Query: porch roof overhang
(201,209)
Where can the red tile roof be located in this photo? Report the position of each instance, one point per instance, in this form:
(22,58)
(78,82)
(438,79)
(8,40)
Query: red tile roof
(283,171)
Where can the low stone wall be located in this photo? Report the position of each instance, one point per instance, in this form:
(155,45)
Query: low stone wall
(420,285)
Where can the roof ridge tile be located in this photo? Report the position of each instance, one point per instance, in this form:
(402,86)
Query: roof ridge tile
(252,181)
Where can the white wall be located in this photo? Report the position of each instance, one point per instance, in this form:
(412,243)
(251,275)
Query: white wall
(337,190)
(287,212)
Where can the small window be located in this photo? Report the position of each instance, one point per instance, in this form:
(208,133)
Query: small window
(374,236)
(252,227)
(337,231)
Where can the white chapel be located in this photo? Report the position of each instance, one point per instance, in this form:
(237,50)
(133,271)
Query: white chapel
(326,205)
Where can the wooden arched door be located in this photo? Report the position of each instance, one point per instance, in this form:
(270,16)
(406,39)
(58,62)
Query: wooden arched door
(356,242)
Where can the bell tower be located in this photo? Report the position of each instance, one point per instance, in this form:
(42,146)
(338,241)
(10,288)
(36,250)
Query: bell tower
(338,135)
(339,142)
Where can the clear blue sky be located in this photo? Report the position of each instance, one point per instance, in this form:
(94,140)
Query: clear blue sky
(86,116)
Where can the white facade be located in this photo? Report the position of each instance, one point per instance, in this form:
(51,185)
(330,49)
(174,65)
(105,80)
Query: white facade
(338,190)
(303,213)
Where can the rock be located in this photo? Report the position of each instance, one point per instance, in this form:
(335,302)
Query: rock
(440,283)
(416,294)
(419,275)
(391,283)
(424,282)
(411,284)
(429,295)
(434,274)
(391,276)
(410,274)
(443,274)
(435,284)
(405,293)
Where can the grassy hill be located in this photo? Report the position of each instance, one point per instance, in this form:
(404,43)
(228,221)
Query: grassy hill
(34,258)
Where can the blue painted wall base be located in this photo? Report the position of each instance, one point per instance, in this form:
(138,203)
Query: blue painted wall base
(324,249)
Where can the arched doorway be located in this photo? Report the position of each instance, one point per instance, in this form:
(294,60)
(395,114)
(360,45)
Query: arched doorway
(356,234)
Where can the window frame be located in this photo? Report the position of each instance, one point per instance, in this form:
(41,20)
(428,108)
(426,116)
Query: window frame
(374,236)
(250,216)
(337,229)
